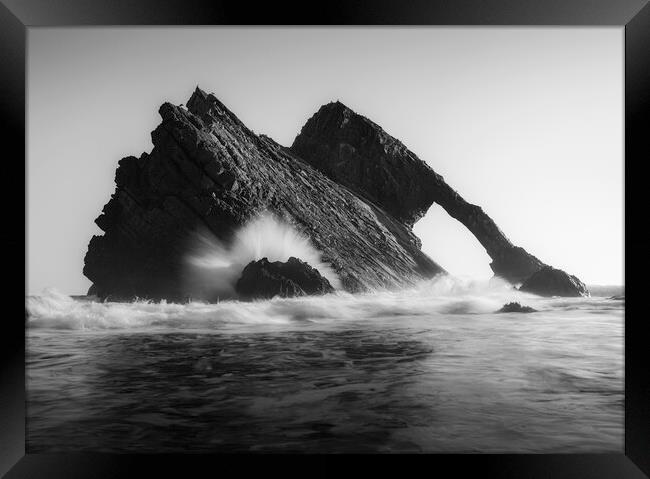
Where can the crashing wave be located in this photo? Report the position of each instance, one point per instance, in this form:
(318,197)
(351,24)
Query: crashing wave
(443,295)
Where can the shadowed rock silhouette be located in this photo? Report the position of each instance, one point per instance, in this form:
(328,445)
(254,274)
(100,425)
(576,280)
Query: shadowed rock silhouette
(549,281)
(515,307)
(347,185)
(264,279)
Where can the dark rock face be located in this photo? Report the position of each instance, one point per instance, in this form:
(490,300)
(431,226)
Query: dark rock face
(208,170)
(549,281)
(263,279)
(515,307)
(357,153)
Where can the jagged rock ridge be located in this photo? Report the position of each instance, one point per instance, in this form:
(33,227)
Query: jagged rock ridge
(207,169)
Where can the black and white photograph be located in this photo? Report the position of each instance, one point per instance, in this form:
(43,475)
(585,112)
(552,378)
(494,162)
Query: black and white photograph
(325,240)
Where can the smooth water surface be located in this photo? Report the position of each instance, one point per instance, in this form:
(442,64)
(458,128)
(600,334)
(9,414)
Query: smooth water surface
(432,369)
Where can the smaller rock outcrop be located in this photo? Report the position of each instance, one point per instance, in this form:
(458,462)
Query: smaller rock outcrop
(515,307)
(549,281)
(265,279)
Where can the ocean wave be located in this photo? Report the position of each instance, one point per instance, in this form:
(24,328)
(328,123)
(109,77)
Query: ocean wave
(212,266)
(445,295)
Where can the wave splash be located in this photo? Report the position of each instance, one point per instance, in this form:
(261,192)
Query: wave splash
(443,295)
(212,268)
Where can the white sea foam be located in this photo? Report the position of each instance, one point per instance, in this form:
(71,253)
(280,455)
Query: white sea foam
(443,295)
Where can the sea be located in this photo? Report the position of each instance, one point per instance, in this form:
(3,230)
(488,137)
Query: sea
(431,369)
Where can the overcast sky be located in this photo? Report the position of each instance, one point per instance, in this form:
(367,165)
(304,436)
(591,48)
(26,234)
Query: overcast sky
(525,122)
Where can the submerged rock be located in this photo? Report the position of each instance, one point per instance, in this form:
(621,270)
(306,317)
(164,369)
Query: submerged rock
(515,307)
(264,279)
(550,281)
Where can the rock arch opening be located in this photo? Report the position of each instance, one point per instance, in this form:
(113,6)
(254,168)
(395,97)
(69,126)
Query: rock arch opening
(453,245)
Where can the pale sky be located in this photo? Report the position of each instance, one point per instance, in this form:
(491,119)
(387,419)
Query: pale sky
(525,122)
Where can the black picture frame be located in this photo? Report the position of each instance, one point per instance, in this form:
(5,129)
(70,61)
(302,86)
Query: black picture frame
(16,16)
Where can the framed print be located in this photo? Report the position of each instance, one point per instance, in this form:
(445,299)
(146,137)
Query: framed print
(362,230)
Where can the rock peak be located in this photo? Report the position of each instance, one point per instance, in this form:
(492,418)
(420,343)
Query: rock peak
(358,153)
(338,111)
(336,104)
(210,109)
(199,93)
